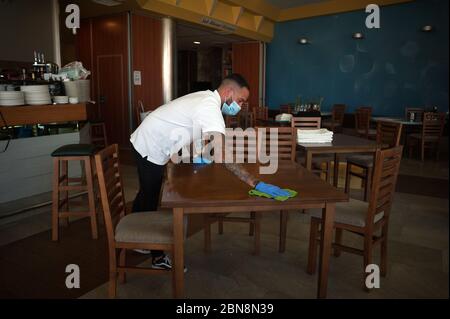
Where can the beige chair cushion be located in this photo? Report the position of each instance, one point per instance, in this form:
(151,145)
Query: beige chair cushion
(352,213)
(147,227)
(361,160)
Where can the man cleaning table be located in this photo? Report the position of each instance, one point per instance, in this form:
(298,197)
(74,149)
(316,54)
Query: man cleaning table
(196,114)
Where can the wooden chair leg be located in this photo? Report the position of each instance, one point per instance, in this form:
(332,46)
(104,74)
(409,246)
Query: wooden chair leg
(383,263)
(207,233)
(367,257)
(338,240)
(112,286)
(251,231)
(283,231)
(220,224)
(91,197)
(55,200)
(347,178)
(367,182)
(312,252)
(122,263)
(65,172)
(422,152)
(329,173)
(257,233)
(437,151)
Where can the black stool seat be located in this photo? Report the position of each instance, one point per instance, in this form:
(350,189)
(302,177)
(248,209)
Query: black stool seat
(75,150)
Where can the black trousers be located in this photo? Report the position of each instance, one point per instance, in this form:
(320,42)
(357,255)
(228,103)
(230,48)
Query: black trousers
(150,181)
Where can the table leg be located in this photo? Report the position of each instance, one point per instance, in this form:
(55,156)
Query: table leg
(308,160)
(326,237)
(178,253)
(336,170)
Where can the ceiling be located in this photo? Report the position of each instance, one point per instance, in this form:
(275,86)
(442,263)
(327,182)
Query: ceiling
(286,4)
(188,33)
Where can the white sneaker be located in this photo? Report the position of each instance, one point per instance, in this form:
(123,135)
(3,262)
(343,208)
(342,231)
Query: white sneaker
(163,262)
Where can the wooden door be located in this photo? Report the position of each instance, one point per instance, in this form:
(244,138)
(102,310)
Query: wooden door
(110,57)
(112,99)
(247,62)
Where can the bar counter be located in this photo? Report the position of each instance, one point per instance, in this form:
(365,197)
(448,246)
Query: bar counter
(45,114)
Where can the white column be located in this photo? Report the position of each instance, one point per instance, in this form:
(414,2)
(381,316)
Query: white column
(168,52)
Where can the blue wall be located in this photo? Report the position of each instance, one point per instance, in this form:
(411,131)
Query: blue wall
(393,67)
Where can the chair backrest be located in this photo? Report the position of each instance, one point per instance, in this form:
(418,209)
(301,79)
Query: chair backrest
(433,125)
(362,119)
(338,113)
(287,143)
(111,188)
(387,165)
(242,146)
(231,121)
(418,113)
(389,133)
(306,122)
(285,108)
(261,113)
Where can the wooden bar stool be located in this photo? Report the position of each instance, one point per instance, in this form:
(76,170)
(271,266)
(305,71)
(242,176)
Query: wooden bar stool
(61,184)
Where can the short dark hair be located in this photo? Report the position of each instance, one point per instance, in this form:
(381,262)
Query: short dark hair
(238,79)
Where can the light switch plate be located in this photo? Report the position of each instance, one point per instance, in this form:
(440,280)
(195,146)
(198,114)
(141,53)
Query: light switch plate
(137,78)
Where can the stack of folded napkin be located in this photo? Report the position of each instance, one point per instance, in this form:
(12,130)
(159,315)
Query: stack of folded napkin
(314,136)
(283,117)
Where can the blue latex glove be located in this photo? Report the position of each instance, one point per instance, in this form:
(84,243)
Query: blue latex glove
(201,160)
(271,190)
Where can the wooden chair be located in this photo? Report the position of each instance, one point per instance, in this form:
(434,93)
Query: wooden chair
(287,143)
(231,121)
(260,113)
(369,220)
(362,123)
(305,123)
(388,133)
(418,113)
(98,134)
(149,230)
(430,137)
(286,108)
(243,149)
(337,118)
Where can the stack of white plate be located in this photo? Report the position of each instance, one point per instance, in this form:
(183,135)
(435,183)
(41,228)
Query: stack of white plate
(11,98)
(36,94)
(61,99)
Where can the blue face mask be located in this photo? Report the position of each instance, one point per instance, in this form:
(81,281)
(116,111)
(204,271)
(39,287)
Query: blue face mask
(231,109)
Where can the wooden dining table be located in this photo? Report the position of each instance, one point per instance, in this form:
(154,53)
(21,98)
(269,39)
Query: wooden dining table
(397,120)
(341,144)
(208,189)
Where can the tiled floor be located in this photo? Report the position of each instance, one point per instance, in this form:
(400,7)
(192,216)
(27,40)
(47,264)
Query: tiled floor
(418,254)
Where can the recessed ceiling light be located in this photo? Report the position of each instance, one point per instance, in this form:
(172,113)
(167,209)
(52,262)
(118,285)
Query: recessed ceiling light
(196,42)
(427,28)
(303,41)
